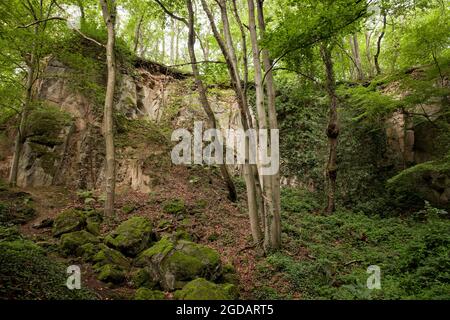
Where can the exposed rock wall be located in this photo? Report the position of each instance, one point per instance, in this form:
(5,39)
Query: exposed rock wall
(77,159)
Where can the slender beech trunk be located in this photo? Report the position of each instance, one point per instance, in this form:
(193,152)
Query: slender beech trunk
(203,96)
(137,34)
(273,124)
(354,45)
(368,36)
(333,127)
(109,15)
(172,43)
(243,44)
(20,137)
(267,182)
(380,38)
(230,58)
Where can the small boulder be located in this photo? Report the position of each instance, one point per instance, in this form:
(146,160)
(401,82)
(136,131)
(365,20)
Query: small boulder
(46,223)
(110,273)
(202,289)
(173,264)
(147,294)
(106,255)
(93,222)
(68,221)
(132,236)
(141,278)
(71,243)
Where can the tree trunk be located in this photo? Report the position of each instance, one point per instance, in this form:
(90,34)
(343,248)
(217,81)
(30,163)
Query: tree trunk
(172,43)
(20,137)
(243,44)
(177,43)
(333,127)
(109,15)
(230,58)
(354,45)
(368,36)
(273,124)
(137,34)
(203,96)
(380,38)
(262,125)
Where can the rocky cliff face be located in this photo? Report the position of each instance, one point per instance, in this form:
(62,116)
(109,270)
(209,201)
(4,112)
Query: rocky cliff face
(64,144)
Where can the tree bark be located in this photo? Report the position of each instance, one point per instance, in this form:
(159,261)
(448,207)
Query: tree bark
(354,44)
(137,34)
(232,194)
(368,36)
(332,129)
(273,124)
(262,125)
(20,137)
(230,59)
(109,16)
(380,38)
(243,44)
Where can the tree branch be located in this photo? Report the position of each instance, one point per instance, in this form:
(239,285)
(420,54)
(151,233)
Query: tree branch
(171,13)
(198,62)
(41,21)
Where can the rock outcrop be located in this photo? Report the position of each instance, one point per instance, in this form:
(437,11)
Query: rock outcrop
(66,146)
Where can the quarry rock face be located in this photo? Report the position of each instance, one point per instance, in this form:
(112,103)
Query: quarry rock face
(75,156)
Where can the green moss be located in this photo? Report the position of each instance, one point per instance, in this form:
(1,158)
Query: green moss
(71,242)
(175,263)
(107,255)
(207,255)
(110,273)
(45,123)
(174,206)
(161,248)
(131,236)
(93,221)
(26,272)
(181,234)
(68,221)
(128,208)
(142,278)
(202,289)
(425,181)
(147,294)
(16,207)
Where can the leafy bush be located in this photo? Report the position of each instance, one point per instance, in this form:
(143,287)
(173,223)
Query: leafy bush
(413,257)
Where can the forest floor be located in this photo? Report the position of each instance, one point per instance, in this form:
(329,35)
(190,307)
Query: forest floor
(323,257)
(210,218)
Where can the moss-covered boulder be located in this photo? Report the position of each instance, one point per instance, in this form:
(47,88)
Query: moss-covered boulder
(111,273)
(111,265)
(93,221)
(202,289)
(147,294)
(132,236)
(106,255)
(174,264)
(68,221)
(71,243)
(142,278)
(28,273)
(428,181)
(15,207)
